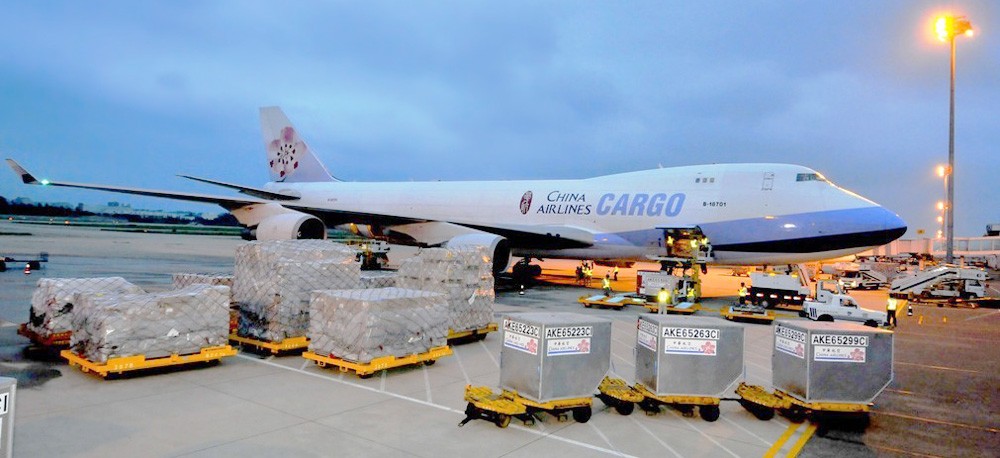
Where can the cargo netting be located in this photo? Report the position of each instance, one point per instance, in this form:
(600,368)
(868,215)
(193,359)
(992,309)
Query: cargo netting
(52,303)
(187,279)
(108,325)
(463,275)
(363,324)
(378,278)
(274,280)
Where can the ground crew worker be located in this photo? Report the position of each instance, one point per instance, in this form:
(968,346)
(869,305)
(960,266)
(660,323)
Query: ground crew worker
(661,299)
(673,296)
(579,275)
(616,273)
(670,246)
(743,294)
(588,274)
(690,294)
(890,308)
(607,285)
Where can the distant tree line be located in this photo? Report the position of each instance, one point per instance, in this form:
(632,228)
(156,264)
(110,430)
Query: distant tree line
(42,209)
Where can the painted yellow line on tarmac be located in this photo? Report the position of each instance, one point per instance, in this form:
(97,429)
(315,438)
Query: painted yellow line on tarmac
(794,452)
(771,452)
(940,368)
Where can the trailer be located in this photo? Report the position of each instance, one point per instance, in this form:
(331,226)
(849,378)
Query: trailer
(120,365)
(617,301)
(747,313)
(772,289)
(471,334)
(942,282)
(499,408)
(287,346)
(684,308)
(58,339)
(366,370)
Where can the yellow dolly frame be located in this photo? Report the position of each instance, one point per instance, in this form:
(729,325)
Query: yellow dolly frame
(616,393)
(763,404)
(733,313)
(289,345)
(499,408)
(619,301)
(653,307)
(58,339)
(123,364)
(366,370)
(470,335)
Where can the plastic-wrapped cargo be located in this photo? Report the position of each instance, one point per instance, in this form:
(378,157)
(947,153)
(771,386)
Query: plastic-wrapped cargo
(831,361)
(150,324)
(378,279)
(464,275)
(274,280)
(363,324)
(688,355)
(187,279)
(554,356)
(52,302)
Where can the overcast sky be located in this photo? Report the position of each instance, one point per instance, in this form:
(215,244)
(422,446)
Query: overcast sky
(132,93)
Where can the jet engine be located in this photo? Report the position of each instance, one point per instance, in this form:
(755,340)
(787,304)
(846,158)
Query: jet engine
(272,221)
(498,247)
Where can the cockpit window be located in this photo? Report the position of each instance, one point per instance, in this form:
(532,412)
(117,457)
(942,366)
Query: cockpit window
(809,177)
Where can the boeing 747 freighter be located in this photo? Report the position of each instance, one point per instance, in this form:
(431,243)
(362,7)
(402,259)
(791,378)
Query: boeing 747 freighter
(750,213)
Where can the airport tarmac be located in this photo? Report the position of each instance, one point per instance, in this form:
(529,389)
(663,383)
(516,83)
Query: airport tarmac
(943,401)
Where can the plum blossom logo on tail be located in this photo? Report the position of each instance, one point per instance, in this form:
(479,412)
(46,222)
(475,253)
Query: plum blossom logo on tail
(284,153)
(526,203)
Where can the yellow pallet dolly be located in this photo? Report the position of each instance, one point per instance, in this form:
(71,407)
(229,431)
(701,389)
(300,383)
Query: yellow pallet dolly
(672,309)
(289,345)
(619,391)
(139,362)
(731,314)
(470,335)
(366,370)
(611,302)
(763,404)
(499,408)
(58,339)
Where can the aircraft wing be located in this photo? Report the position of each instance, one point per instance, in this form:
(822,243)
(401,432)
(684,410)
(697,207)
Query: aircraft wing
(255,192)
(228,203)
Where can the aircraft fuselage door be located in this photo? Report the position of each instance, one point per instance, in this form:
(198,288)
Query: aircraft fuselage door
(768,181)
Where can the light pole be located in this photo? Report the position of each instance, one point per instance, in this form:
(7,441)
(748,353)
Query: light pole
(949,27)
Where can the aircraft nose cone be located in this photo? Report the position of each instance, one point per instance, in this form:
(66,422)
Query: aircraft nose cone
(893,227)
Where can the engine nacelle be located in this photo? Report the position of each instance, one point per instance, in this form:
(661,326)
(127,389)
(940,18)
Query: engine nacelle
(498,247)
(290,226)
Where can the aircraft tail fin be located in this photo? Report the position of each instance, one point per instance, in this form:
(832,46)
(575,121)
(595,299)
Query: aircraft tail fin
(289,158)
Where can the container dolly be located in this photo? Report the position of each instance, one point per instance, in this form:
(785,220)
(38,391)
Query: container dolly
(366,370)
(747,312)
(763,405)
(119,365)
(471,335)
(56,339)
(620,394)
(286,346)
(684,308)
(499,408)
(618,301)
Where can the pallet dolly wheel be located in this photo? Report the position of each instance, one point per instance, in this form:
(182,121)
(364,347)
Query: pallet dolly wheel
(624,407)
(366,375)
(430,362)
(762,413)
(582,414)
(795,415)
(709,413)
(502,421)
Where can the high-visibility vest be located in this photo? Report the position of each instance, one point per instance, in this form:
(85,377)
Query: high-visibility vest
(892,304)
(662,297)
(690,295)
(743,291)
(606,283)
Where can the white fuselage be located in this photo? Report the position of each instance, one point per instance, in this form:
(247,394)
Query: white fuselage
(751,213)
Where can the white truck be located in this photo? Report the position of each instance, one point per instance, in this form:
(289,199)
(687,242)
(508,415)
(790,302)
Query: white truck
(649,282)
(862,278)
(835,305)
(769,289)
(942,282)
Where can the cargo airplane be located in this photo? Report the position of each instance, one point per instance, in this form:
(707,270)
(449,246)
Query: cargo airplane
(750,213)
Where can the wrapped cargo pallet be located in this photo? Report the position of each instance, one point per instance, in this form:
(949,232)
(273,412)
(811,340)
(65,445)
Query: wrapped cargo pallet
(378,279)
(363,324)
(464,276)
(187,279)
(153,325)
(52,302)
(274,279)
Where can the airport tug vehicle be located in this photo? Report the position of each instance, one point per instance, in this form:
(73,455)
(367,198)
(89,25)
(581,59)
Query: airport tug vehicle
(680,362)
(830,305)
(549,363)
